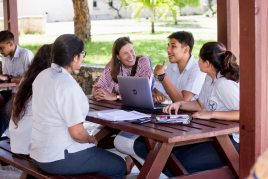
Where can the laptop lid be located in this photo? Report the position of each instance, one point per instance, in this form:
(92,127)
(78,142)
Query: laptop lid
(135,91)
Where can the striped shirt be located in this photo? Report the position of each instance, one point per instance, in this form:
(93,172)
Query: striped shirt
(144,68)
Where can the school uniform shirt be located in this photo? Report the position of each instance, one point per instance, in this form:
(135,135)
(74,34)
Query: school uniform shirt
(20,136)
(58,102)
(144,69)
(220,94)
(190,79)
(18,64)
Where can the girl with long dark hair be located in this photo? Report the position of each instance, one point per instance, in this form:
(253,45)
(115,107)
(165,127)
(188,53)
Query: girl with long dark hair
(20,125)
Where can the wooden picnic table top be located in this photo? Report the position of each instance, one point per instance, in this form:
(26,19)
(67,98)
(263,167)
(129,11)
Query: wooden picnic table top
(169,133)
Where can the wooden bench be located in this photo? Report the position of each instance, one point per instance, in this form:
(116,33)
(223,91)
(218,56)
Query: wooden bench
(29,169)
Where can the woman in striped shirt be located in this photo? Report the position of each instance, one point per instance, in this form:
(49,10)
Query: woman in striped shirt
(124,62)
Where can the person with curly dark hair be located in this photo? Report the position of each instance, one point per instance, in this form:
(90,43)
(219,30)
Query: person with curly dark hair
(20,125)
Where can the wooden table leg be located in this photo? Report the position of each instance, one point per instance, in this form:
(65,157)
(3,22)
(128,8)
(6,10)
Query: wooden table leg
(230,152)
(175,166)
(155,160)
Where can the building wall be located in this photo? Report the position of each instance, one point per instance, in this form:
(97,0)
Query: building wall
(61,10)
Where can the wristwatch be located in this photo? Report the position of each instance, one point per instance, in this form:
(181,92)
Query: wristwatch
(161,77)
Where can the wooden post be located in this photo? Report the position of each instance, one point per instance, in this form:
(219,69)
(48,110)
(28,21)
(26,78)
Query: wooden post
(228,24)
(222,21)
(11,17)
(253,82)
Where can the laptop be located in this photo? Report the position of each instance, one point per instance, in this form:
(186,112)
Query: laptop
(136,93)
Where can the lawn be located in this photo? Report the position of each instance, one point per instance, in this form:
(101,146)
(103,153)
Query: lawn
(154,46)
(99,53)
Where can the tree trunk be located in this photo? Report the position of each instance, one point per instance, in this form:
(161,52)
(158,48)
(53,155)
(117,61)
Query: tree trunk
(82,25)
(152,21)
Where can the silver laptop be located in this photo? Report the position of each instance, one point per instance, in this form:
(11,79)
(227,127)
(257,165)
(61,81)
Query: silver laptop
(136,93)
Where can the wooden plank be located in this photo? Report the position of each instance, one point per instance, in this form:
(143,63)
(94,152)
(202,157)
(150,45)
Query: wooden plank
(104,104)
(230,152)
(222,21)
(175,165)
(116,103)
(11,18)
(7,85)
(253,87)
(25,163)
(155,161)
(220,173)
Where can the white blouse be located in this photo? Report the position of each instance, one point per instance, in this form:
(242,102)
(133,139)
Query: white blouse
(20,135)
(220,95)
(58,103)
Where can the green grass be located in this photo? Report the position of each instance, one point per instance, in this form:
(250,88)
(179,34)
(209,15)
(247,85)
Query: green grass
(99,53)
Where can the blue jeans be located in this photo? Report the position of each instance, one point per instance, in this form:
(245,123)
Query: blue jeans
(91,160)
(195,158)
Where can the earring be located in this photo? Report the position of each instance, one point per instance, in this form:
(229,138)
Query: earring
(117,59)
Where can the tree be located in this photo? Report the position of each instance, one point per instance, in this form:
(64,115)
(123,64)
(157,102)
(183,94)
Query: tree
(211,7)
(82,25)
(175,6)
(153,6)
(114,7)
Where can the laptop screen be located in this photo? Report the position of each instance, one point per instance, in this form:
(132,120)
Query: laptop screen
(136,91)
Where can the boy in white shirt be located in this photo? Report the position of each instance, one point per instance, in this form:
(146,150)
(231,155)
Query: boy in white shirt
(15,62)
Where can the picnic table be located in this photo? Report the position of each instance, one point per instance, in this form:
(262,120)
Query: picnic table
(162,138)
(7,85)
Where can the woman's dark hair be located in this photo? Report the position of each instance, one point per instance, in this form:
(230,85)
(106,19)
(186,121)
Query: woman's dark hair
(65,48)
(185,38)
(115,63)
(224,61)
(41,61)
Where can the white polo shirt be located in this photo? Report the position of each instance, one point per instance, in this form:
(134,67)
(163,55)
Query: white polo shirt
(18,64)
(220,95)
(58,102)
(20,136)
(191,79)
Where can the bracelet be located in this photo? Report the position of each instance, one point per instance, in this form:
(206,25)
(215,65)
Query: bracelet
(117,97)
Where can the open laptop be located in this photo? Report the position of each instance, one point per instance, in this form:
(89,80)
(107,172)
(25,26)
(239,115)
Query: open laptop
(136,94)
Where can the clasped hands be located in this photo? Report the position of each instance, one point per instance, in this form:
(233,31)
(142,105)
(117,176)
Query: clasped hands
(102,94)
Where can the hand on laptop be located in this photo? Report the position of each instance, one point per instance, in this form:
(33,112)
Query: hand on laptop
(158,97)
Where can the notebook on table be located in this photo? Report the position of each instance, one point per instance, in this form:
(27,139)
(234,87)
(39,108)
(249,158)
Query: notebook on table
(136,94)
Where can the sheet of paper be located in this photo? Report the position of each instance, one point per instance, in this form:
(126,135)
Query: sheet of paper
(117,115)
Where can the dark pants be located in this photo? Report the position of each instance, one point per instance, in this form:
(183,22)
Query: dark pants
(195,157)
(5,97)
(91,160)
